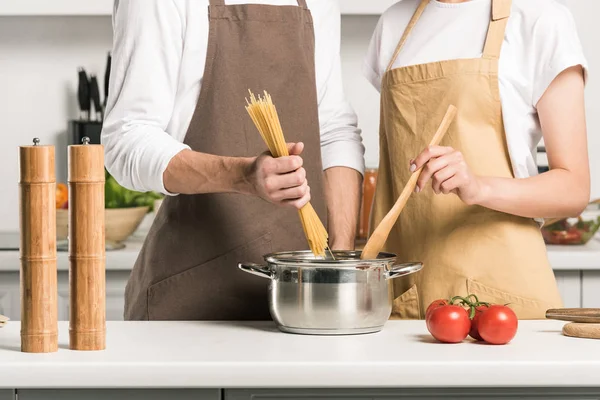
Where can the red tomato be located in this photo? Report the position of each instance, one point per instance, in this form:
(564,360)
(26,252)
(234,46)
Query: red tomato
(498,325)
(449,324)
(474,333)
(435,304)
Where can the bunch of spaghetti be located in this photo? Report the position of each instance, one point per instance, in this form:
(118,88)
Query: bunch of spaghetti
(264,115)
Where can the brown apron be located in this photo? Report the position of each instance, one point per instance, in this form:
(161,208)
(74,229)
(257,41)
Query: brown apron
(465,249)
(187,268)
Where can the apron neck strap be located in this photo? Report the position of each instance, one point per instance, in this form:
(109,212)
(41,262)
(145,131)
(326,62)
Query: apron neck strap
(409,28)
(301,3)
(495,36)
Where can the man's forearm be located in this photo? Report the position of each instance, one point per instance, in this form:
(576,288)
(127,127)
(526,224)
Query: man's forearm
(191,172)
(342,192)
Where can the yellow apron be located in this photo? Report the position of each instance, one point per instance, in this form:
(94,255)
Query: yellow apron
(465,249)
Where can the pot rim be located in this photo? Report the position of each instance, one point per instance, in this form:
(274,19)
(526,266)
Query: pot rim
(307,257)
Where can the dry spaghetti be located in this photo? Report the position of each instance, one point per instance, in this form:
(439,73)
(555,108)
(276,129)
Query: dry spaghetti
(264,115)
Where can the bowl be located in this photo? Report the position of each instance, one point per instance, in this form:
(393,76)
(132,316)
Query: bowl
(574,231)
(120,223)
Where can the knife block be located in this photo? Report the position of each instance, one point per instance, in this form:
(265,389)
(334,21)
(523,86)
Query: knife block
(87,282)
(37,214)
(78,130)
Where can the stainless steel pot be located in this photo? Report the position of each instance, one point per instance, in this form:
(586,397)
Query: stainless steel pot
(322,296)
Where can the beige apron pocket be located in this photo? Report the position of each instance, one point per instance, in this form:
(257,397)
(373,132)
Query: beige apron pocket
(406,306)
(525,308)
(215,290)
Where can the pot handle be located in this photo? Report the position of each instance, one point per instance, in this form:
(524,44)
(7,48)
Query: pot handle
(256,269)
(399,270)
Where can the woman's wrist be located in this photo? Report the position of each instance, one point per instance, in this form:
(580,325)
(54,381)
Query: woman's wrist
(484,192)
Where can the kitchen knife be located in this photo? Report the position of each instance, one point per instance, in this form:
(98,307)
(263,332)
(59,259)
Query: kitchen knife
(581,315)
(95,96)
(107,78)
(83,95)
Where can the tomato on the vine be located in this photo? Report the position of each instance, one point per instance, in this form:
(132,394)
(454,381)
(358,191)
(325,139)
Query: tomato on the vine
(449,323)
(474,333)
(498,324)
(435,304)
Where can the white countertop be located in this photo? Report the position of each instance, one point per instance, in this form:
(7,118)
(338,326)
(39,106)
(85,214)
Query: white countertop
(256,355)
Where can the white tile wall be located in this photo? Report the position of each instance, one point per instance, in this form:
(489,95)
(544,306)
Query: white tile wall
(39,57)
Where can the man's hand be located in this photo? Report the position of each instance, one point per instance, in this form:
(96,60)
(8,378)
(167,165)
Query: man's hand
(282,180)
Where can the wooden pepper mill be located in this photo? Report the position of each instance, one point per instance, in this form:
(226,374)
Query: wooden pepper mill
(87,281)
(39,291)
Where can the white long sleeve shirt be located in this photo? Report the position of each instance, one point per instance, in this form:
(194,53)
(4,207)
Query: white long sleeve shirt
(159,55)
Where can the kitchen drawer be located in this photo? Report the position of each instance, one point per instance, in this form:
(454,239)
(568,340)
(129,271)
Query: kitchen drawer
(415,394)
(116,394)
(7,395)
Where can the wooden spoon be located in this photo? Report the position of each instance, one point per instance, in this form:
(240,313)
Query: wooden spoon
(381,233)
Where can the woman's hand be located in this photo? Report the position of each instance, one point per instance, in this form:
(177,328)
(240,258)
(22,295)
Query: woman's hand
(449,173)
(280,180)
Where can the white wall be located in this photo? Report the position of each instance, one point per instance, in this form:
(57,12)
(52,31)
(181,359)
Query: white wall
(39,58)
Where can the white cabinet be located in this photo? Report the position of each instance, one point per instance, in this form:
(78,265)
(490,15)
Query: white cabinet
(411,394)
(7,395)
(115,295)
(9,296)
(569,284)
(124,394)
(105,7)
(591,289)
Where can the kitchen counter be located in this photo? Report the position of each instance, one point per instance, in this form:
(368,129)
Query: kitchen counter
(256,355)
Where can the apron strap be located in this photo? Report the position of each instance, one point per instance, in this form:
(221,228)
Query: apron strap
(495,36)
(302,3)
(409,28)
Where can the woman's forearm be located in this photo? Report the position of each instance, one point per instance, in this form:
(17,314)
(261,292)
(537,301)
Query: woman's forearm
(554,194)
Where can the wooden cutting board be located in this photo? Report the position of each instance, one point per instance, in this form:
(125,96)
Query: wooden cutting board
(586,331)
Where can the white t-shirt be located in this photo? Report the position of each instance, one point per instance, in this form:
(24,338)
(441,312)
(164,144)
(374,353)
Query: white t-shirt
(541,41)
(159,54)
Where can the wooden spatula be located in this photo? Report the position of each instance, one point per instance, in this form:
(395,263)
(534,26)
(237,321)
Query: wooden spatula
(381,233)
(581,315)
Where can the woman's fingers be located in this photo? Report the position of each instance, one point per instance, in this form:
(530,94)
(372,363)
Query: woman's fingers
(434,166)
(427,154)
(450,185)
(442,176)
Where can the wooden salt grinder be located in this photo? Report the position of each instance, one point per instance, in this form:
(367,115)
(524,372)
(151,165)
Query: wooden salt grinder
(87,281)
(37,214)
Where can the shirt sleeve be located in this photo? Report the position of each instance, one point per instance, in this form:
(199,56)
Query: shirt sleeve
(341,140)
(147,49)
(372,63)
(556,47)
